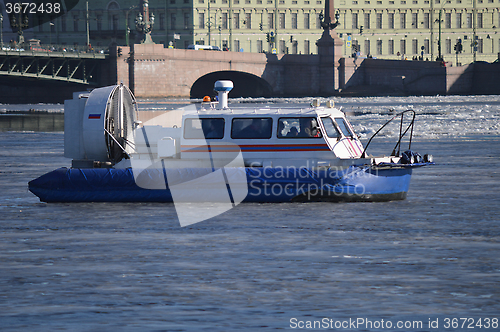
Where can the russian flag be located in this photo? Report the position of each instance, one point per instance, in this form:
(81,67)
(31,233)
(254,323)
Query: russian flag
(95,116)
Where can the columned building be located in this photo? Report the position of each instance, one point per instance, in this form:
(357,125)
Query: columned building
(408,29)
(385,29)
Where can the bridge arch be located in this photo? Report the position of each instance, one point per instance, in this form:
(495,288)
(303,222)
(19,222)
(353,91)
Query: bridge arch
(245,84)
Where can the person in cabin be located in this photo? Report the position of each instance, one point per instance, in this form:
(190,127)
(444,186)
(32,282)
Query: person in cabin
(294,132)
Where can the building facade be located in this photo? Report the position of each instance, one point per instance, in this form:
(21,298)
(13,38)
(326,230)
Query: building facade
(399,29)
(386,29)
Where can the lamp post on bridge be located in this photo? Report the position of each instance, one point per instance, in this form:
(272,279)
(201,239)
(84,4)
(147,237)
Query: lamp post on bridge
(20,23)
(329,49)
(144,23)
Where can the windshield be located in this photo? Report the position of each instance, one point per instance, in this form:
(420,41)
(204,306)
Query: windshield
(331,130)
(344,127)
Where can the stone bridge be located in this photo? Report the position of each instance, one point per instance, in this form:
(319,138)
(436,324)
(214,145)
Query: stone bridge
(154,71)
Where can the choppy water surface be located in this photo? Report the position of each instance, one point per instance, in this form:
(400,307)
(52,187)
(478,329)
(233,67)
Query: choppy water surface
(120,267)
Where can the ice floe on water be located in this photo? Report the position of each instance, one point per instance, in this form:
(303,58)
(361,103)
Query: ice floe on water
(440,116)
(436,116)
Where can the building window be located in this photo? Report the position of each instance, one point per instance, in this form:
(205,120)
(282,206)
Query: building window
(99,22)
(259,46)
(426,46)
(172,21)
(75,23)
(282,20)
(367,20)
(307,49)
(458,23)
(282,47)
(318,22)
(236,20)
(402,22)
(480,46)
(354,20)
(63,23)
(113,16)
(270,20)
(469,20)
(390,46)
(294,20)
(426,21)
(447,46)
(367,47)
(248,20)
(114,23)
(224,21)
(295,47)
(354,47)
(480,20)
(414,20)
(306,21)
(379,47)
(379,21)
(162,21)
(414,46)
(236,45)
(447,20)
(402,47)
(201,20)
(186,20)
(390,17)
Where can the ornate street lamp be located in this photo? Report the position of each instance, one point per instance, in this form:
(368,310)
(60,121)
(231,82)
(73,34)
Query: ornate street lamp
(144,23)
(326,22)
(20,24)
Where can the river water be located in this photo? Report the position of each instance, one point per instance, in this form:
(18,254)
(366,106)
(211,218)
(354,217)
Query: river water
(428,263)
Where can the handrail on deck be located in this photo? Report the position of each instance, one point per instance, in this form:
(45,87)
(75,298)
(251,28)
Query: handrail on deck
(401,133)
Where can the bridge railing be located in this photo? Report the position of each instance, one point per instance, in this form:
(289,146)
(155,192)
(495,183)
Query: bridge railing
(83,49)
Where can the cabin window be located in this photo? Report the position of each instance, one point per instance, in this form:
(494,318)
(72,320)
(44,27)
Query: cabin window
(344,127)
(204,128)
(298,128)
(252,128)
(330,128)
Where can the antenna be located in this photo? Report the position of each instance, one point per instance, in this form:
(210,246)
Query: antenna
(223,88)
